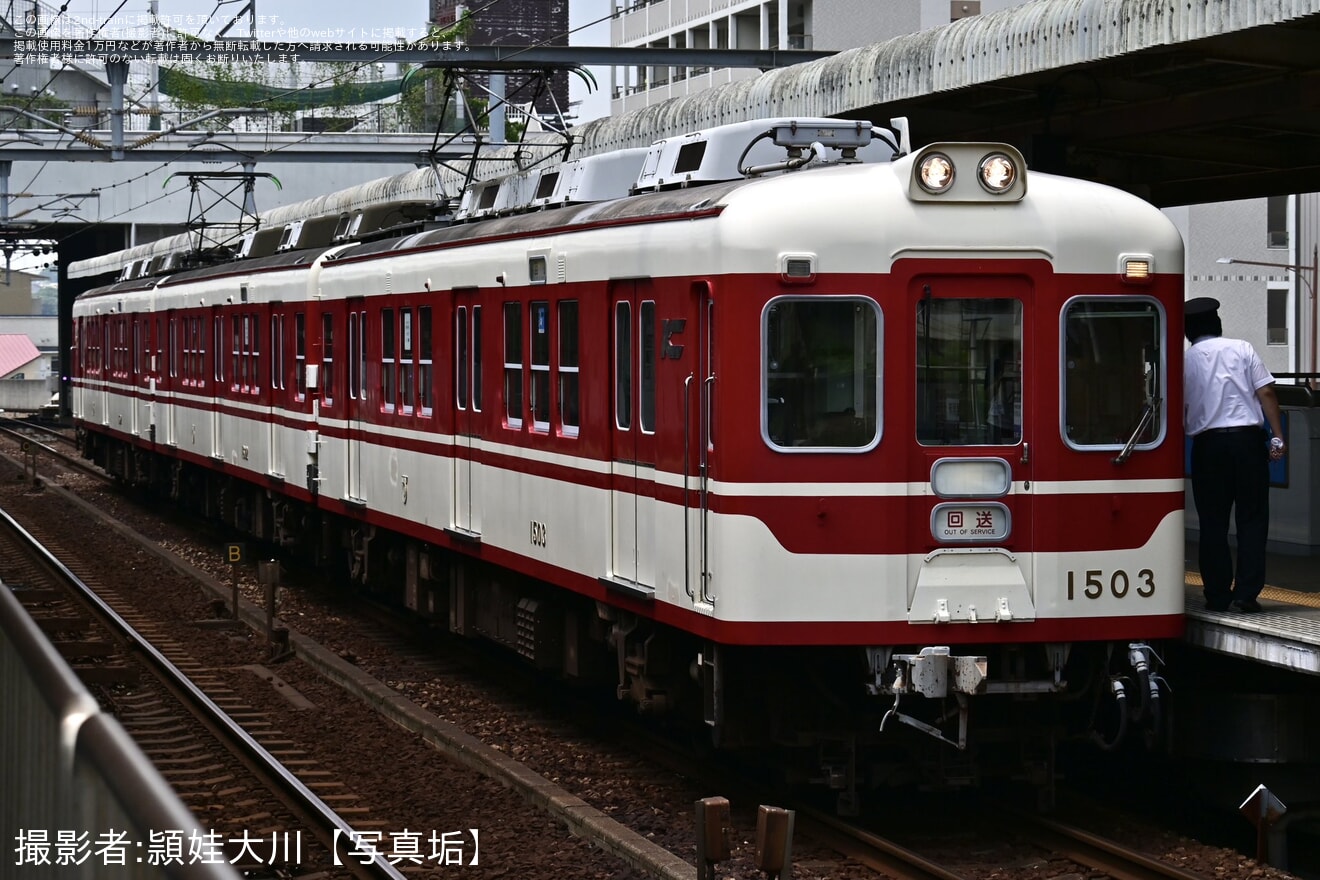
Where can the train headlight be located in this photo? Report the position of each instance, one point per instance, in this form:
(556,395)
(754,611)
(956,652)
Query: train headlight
(937,173)
(997,172)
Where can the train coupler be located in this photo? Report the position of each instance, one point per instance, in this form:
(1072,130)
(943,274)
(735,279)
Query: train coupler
(937,673)
(934,672)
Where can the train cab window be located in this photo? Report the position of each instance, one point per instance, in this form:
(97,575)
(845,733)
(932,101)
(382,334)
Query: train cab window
(969,372)
(539,313)
(820,374)
(1113,372)
(568,367)
(513,368)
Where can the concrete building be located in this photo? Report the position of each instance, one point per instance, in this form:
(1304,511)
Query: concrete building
(515,23)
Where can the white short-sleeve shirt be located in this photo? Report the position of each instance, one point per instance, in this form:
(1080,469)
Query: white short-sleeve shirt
(1220,378)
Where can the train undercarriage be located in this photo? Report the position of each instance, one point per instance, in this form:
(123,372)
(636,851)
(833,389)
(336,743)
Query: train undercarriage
(846,718)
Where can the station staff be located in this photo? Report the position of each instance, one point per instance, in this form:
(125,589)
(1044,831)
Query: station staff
(1227,396)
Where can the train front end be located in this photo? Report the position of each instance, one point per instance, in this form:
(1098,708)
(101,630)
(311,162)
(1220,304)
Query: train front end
(970,398)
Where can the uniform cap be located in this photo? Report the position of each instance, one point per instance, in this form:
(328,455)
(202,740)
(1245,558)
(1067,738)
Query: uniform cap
(1202,305)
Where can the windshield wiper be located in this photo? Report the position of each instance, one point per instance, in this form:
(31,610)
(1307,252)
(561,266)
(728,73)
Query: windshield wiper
(1147,414)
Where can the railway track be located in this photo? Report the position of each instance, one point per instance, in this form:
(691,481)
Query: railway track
(31,449)
(184,718)
(867,853)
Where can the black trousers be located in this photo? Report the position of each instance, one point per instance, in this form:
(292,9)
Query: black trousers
(1231,470)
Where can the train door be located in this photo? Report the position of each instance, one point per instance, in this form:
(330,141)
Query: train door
(467,403)
(357,396)
(146,372)
(698,446)
(633,469)
(975,439)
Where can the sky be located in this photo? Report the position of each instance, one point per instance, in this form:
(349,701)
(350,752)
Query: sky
(320,20)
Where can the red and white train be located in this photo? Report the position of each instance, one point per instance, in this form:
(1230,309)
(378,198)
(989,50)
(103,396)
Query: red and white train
(825,452)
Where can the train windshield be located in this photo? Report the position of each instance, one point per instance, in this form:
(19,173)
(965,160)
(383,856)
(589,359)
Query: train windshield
(820,372)
(1113,372)
(969,372)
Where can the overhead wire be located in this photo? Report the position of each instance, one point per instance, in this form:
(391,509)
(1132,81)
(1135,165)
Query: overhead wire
(471,15)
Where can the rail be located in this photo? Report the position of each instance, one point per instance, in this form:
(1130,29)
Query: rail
(67,764)
(333,831)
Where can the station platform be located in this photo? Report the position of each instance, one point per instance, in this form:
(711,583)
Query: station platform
(1285,634)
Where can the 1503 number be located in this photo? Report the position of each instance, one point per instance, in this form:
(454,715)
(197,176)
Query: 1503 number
(1118,584)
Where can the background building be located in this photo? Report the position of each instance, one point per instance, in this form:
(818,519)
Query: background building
(516,23)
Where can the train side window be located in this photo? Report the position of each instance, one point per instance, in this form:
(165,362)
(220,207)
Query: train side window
(568,367)
(513,365)
(358,356)
(300,356)
(646,358)
(425,366)
(252,325)
(387,374)
(190,376)
(137,347)
(820,374)
(461,360)
(407,355)
(217,350)
(623,365)
(476,359)
(236,377)
(969,372)
(327,359)
(191,373)
(277,352)
(1114,372)
(539,313)
(174,348)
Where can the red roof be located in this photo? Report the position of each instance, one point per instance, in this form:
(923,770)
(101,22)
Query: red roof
(16,351)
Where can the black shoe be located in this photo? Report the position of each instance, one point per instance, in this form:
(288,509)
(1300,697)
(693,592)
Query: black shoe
(1249,606)
(1216,606)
